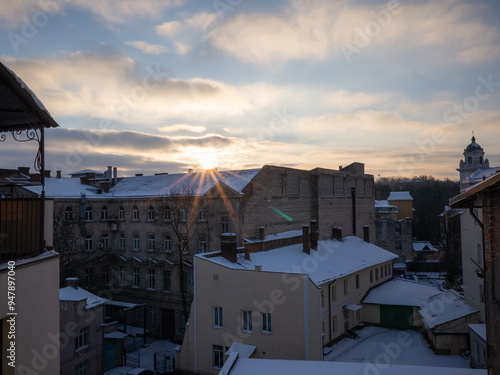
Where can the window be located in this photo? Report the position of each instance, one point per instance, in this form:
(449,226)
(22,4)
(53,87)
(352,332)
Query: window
(371,276)
(68,214)
(224,220)
(135,213)
(121,241)
(385,269)
(151,242)
(121,213)
(152,314)
(151,213)
(399,246)
(247,321)
(89,216)
(218,356)
(376,273)
(82,338)
(104,213)
(218,317)
(89,242)
(266,322)
(166,213)
(182,215)
(135,277)
(82,368)
(202,244)
(166,280)
(151,278)
(346,287)
(479,254)
(105,275)
(105,240)
(334,293)
(121,275)
(167,243)
(357,281)
(136,242)
(89,276)
(381,272)
(334,324)
(201,214)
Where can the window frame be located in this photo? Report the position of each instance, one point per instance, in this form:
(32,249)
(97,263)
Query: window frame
(218,317)
(136,277)
(246,321)
(151,278)
(266,323)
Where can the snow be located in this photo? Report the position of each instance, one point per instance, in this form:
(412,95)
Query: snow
(276,236)
(479,329)
(25,261)
(25,87)
(146,356)
(405,349)
(423,246)
(400,196)
(115,335)
(332,260)
(243,350)
(123,304)
(66,188)
(71,294)
(443,308)
(401,292)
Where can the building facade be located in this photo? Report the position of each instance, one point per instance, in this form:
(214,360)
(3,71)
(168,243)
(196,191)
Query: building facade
(283,303)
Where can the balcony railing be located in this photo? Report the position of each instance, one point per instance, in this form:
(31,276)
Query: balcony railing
(21,226)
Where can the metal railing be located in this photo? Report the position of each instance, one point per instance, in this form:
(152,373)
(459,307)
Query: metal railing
(21,226)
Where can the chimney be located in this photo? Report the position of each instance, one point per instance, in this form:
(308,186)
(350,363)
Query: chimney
(58,174)
(72,281)
(115,175)
(340,167)
(108,174)
(247,253)
(46,174)
(306,246)
(258,267)
(190,170)
(24,170)
(366,233)
(105,186)
(139,175)
(337,233)
(228,246)
(314,235)
(262,233)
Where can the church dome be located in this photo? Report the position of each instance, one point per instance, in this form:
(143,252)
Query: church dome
(473,146)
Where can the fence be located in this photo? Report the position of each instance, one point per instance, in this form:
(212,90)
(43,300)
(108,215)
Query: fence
(21,225)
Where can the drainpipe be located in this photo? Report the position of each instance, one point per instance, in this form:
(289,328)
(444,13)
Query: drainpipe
(330,310)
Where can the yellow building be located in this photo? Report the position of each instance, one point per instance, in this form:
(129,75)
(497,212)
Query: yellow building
(404,203)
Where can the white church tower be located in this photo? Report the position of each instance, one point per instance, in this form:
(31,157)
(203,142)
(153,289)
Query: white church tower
(473,160)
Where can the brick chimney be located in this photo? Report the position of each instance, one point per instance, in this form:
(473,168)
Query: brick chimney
(337,233)
(46,174)
(366,233)
(72,281)
(306,246)
(115,175)
(228,246)
(24,170)
(109,175)
(58,174)
(262,233)
(314,235)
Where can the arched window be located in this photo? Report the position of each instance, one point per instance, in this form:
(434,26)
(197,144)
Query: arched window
(68,214)
(151,213)
(469,160)
(481,160)
(166,213)
(135,213)
(89,215)
(104,213)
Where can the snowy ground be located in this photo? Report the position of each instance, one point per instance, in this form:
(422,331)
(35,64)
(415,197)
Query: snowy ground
(387,346)
(147,356)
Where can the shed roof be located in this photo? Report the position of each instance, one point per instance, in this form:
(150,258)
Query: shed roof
(444,307)
(401,292)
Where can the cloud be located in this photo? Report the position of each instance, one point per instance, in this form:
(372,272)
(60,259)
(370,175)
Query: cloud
(312,33)
(150,49)
(184,34)
(182,128)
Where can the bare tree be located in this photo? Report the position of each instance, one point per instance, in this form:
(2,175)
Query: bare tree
(179,214)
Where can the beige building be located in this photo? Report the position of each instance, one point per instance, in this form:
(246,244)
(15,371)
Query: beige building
(283,303)
(29,270)
(404,203)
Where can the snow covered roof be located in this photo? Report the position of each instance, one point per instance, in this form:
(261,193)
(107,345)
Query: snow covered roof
(71,294)
(479,329)
(149,186)
(252,366)
(401,292)
(423,246)
(384,204)
(443,308)
(276,236)
(243,350)
(338,259)
(400,196)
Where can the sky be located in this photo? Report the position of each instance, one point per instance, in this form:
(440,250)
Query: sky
(155,86)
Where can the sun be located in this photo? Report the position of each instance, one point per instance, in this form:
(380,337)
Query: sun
(208,161)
